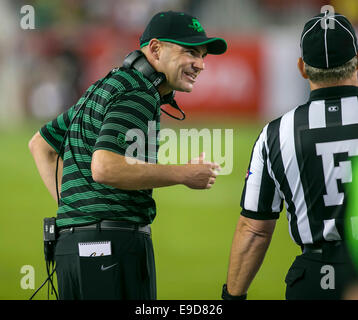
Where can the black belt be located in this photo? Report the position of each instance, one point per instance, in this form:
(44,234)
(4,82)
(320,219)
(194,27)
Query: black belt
(319,247)
(312,248)
(111,225)
(335,251)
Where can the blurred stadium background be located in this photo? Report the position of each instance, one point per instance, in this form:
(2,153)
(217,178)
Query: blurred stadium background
(45,70)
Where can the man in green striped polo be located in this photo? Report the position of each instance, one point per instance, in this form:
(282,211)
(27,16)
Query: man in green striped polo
(99,161)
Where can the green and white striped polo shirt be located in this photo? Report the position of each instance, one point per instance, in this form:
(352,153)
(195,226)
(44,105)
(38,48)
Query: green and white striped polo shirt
(124,102)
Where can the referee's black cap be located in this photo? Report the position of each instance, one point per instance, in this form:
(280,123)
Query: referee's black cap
(328,40)
(182,29)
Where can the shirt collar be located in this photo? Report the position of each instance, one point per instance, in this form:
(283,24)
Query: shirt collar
(334,92)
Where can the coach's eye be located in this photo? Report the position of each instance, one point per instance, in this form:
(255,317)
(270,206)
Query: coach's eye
(192,52)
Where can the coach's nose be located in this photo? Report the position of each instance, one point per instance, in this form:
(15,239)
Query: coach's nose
(199,64)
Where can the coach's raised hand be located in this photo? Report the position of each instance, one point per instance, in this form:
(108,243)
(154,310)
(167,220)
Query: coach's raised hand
(200,174)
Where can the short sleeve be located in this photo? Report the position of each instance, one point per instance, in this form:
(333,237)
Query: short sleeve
(260,198)
(128,121)
(54,131)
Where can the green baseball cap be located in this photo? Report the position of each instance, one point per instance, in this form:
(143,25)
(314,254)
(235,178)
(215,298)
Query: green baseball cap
(182,29)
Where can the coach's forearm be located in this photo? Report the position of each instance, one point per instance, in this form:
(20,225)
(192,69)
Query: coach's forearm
(45,158)
(117,171)
(250,243)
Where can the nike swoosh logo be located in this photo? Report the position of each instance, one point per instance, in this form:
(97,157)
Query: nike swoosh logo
(103,268)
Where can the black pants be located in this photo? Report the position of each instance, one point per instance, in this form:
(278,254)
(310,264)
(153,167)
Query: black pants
(320,276)
(127,274)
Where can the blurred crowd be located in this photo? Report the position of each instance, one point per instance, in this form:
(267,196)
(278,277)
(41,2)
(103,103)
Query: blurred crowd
(45,70)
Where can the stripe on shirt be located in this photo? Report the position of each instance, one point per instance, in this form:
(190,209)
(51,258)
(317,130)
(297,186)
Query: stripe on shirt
(292,172)
(349,110)
(317,115)
(275,157)
(252,192)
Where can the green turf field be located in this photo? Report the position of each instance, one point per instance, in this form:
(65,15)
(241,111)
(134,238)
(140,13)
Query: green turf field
(192,232)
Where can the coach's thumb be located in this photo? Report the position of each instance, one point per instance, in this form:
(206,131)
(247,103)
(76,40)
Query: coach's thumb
(202,156)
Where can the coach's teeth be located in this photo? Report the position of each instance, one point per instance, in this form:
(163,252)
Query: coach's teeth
(190,75)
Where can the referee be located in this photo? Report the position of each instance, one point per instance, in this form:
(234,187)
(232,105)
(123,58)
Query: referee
(107,144)
(304,160)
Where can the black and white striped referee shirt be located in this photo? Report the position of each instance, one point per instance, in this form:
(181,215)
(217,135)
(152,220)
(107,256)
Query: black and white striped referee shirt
(304,159)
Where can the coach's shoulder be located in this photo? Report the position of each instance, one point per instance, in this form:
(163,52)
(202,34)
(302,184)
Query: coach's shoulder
(130,79)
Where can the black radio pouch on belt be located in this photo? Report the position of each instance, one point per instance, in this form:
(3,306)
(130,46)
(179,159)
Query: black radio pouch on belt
(50,237)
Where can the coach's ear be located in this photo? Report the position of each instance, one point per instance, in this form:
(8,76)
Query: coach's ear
(301,68)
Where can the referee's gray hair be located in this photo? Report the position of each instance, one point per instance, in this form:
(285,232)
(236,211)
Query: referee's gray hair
(332,75)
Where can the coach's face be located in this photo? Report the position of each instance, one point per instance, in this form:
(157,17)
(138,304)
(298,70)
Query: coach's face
(180,64)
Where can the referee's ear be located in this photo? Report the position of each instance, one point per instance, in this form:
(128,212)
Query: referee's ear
(301,68)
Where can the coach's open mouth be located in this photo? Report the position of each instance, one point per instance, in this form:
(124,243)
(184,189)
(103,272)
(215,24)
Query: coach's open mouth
(190,76)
